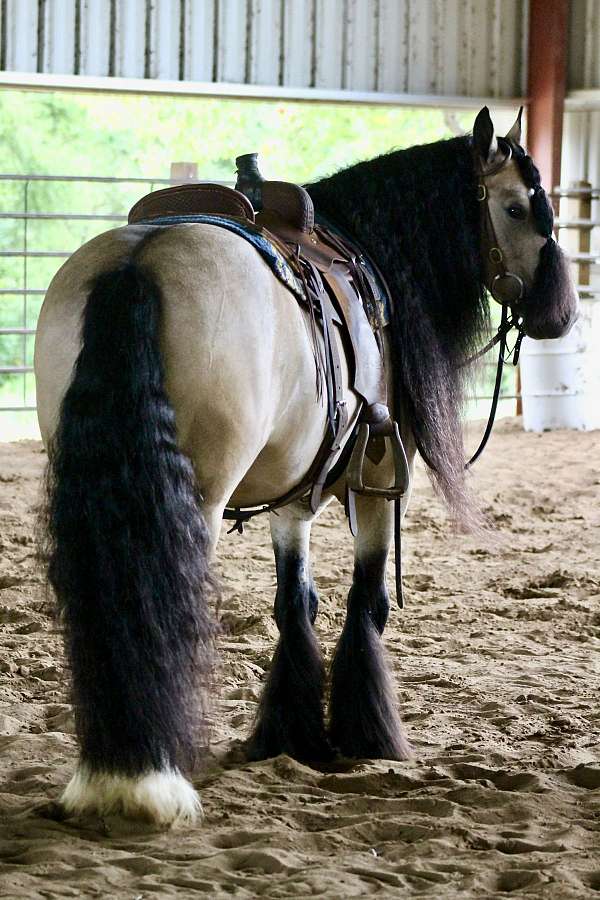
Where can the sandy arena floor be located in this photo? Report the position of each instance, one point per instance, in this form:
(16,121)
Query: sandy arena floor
(497,664)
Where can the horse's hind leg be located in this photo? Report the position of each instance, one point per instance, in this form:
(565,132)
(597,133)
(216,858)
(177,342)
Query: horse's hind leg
(364,722)
(290,717)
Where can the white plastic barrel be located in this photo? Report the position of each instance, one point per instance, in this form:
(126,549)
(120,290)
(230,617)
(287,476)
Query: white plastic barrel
(560,379)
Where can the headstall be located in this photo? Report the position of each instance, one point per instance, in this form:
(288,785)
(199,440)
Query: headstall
(506,288)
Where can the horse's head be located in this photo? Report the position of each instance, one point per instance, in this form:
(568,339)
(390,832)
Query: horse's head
(524,267)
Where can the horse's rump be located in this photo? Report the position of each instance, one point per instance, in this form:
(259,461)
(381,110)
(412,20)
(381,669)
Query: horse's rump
(238,361)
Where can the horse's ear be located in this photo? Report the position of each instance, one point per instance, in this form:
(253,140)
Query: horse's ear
(484,138)
(514,135)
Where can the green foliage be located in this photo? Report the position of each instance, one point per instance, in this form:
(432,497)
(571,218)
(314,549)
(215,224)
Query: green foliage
(124,136)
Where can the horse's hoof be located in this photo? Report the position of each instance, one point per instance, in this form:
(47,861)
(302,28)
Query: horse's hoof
(52,810)
(257,748)
(397,749)
(162,797)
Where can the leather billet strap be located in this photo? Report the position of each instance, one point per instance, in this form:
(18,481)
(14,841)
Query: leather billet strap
(360,276)
(338,413)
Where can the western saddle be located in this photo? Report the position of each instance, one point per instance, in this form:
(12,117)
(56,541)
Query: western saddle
(340,288)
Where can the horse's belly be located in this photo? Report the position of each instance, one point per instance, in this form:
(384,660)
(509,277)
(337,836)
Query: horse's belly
(295,441)
(258,424)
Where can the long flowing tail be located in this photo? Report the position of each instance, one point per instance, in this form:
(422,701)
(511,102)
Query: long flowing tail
(128,562)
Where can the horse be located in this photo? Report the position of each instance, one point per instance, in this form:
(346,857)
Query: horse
(176,378)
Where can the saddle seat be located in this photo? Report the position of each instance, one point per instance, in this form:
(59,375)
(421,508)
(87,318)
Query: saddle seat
(192,200)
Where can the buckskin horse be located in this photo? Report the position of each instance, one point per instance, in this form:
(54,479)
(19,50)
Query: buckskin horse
(176,378)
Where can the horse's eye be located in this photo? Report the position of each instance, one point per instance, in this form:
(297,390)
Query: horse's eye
(516,211)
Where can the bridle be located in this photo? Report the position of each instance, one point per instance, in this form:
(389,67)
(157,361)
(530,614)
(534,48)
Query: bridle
(506,288)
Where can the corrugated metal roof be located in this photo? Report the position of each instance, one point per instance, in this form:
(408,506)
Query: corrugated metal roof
(469,48)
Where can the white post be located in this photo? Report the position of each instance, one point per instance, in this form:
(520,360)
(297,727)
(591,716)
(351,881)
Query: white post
(182,172)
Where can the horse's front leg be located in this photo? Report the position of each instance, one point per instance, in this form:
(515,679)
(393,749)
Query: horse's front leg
(290,717)
(364,721)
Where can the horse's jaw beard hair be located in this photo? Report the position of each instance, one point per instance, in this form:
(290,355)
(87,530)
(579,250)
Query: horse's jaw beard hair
(550,306)
(425,198)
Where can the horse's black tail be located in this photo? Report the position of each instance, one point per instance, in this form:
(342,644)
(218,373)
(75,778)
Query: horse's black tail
(128,552)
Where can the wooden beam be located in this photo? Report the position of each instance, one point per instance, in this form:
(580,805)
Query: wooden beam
(548,37)
(222,90)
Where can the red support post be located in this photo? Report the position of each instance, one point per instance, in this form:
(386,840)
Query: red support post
(548,38)
(546,86)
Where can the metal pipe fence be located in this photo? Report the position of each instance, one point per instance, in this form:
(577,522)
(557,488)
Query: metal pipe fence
(42,221)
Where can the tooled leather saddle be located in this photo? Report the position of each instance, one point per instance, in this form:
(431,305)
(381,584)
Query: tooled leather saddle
(338,287)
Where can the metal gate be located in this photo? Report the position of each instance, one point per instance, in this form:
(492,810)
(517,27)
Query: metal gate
(40,226)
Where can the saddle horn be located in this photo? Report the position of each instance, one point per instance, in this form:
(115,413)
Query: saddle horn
(249,179)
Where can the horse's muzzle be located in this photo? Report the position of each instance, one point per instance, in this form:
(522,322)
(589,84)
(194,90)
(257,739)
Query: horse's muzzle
(542,328)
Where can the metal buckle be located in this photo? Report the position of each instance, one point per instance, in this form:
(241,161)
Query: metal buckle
(511,277)
(481,192)
(354,478)
(495,255)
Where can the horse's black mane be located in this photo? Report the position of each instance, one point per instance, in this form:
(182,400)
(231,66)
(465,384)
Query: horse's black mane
(543,214)
(415,212)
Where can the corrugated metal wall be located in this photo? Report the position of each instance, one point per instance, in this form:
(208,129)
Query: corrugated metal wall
(581,143)
(584,45)
(581,162)
(448,47)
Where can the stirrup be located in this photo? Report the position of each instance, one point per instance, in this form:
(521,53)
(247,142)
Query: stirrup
(354,478)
